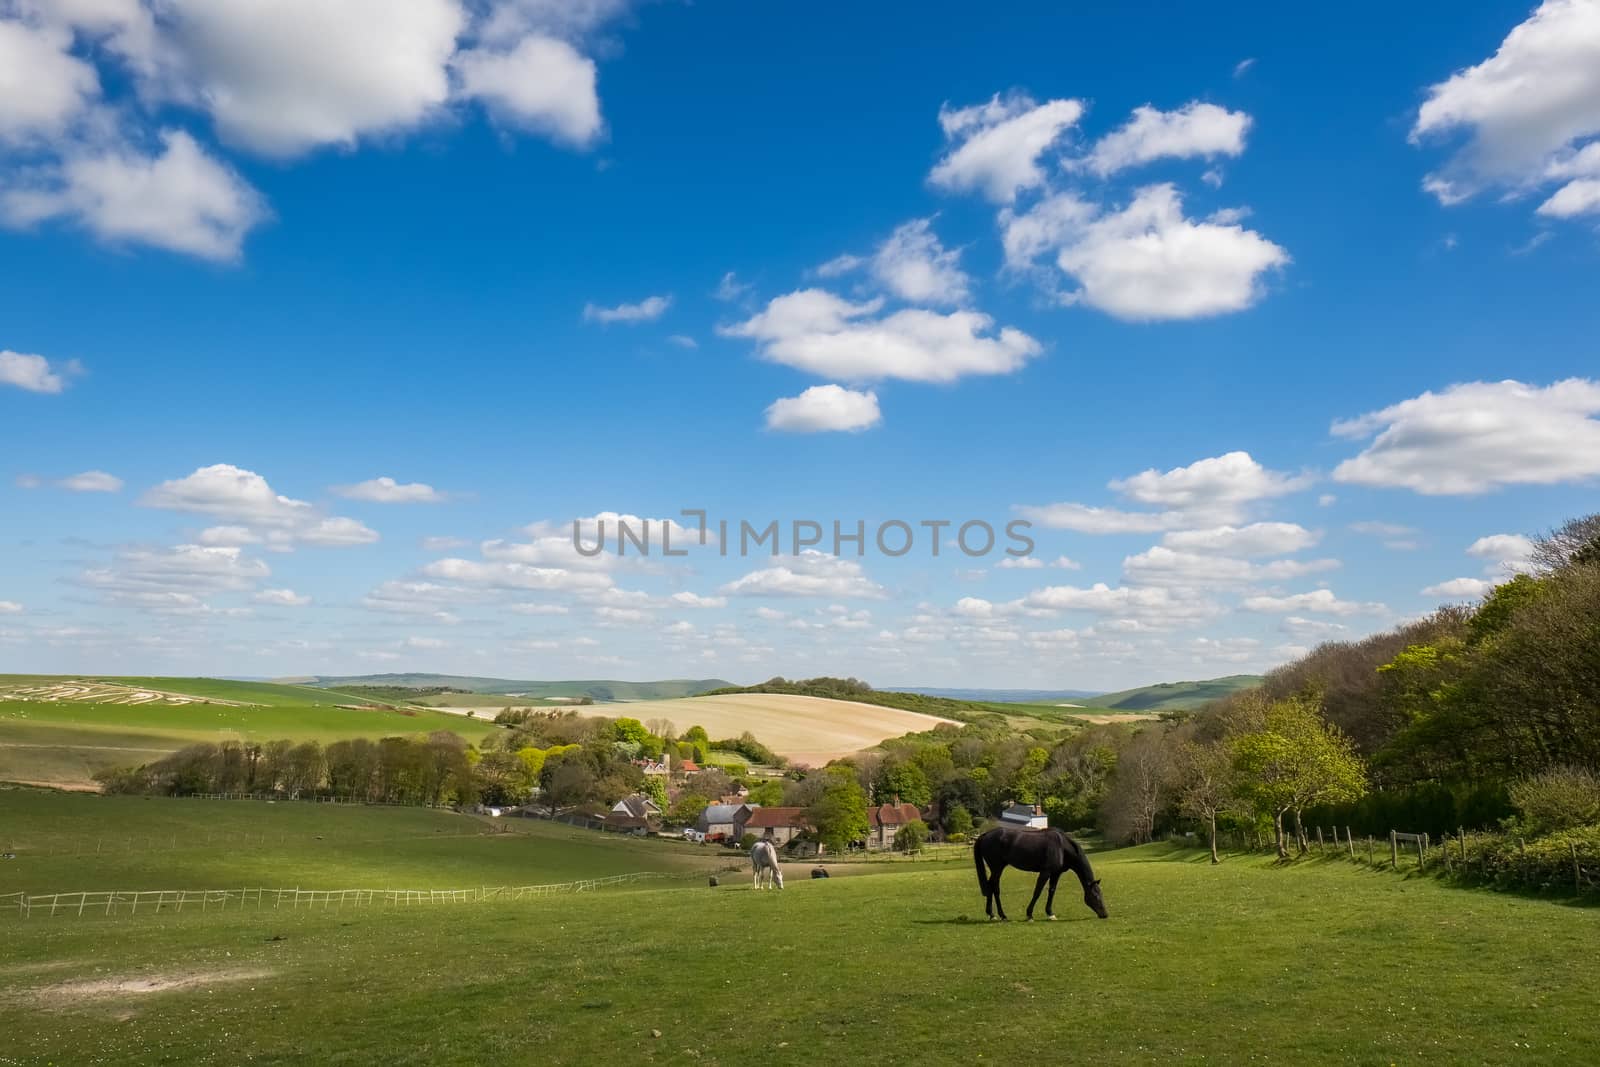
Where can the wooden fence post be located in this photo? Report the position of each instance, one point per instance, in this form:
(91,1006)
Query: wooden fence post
(1394,851)
(1320,844)
(1422,851)
(1577,871)
(1461,835)
(1350,840)
(1369,850)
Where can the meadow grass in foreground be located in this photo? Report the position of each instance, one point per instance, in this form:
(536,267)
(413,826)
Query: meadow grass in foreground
(1322,963)
(74,843)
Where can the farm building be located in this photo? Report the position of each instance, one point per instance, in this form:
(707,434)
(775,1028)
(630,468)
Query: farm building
(778,825)
(637,810)
(724,821)
(1030,816)
(885,820)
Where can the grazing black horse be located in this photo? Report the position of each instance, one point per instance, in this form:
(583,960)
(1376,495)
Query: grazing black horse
(1047,851)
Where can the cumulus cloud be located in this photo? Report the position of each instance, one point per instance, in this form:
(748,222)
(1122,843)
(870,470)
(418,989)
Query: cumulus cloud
(695,600)
(1150,262)
(1092,520)
(824,407)
(1160,565)
(810,574)
(916,267)
(386,490)
(995,147)
(647,310)
(1156,607)
(815,331)
(1460,588)
(283,598)
(1507,554)
(171,580)
(1256,539)
(1478,436)
(1529,113)
(252,510)
(1221,485)
(92,482)
(540,84)
(178,198)
(35,373)
(43,87)
(10,607)
(1195,130)
(1316,602)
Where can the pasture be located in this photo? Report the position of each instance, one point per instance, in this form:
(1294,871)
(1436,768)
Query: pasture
(810,730)
(1321,962)
(62,744)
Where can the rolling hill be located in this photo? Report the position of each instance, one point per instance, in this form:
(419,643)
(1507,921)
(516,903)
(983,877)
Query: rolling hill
(1176,696)
(601,690)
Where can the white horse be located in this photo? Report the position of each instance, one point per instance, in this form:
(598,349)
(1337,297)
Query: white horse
(764,865)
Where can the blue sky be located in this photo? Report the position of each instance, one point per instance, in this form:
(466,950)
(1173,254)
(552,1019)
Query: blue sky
(1278,330)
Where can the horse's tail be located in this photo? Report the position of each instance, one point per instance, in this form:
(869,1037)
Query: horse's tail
(983,875)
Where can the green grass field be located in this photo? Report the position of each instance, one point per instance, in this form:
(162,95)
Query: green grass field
(60,743)
(1325,962)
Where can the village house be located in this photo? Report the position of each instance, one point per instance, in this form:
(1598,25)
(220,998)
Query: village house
(654,768)
(778,825)
(1027,816)
(724,822)
(885,820)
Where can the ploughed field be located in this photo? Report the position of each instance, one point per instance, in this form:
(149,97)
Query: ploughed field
(810,730)
(1323,961)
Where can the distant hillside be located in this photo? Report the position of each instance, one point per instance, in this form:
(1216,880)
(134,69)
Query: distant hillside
(100,689)
(1176,696)
(602,691)
(1004,696)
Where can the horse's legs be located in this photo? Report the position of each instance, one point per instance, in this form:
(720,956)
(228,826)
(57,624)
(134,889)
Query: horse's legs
(1050,901)
(994,892)
(1038,887)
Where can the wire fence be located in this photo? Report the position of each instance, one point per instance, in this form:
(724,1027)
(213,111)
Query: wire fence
(158,901)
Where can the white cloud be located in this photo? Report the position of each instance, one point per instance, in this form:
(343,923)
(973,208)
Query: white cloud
(1160,565)
(418,598)
(647,310)
(285,598)
(288,76)
(1580,197)
(34,373)
(92,482)
(386,490)
(995,147)
(424,643)
(10,607)
(43,87)
(1241,68)
(1153,606)
(815,331)
(1526,110)
(1195,130)
(540,84)
(730,288)
(252,510)
(1149,262)
(1460,588)
(1052,223)
(1020,563)
(443,543)
(1221,485)
(913,265)
(1382,529)
(683,340)
(824,407)
(1300,626)
(1478,436)
(180,199)
(1092,520)
(1256,539)
(1316,602)
(1508,554)
(695,600)
(809,574)
(181,569)
(506,575)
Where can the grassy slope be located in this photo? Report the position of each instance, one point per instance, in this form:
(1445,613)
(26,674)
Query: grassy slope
(64,743)
(1325,963)
(267,693)
(1175,696)
(600,689)
(67,843)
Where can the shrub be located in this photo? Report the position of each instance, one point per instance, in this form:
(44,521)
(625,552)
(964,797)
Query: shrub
(912,836)
(748,841)
(1542,863)
(1557,799)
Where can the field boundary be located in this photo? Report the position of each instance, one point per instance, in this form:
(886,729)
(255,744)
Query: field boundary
(153,901)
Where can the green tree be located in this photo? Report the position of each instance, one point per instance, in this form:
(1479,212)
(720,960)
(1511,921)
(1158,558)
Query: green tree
(655,787)
(911,837)
(905,780)
(687,809)
(839,814)
(958,823)
(626,729)
(1205,772)
(1295,760)
(768,793)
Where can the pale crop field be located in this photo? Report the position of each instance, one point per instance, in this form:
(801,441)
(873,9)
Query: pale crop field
(811,730)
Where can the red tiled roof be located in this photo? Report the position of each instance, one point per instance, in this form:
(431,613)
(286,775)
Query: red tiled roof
(764,818)
(892,814)
(688,765)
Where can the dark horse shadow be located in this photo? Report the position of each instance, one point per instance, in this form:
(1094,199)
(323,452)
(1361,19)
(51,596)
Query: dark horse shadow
(1049,852)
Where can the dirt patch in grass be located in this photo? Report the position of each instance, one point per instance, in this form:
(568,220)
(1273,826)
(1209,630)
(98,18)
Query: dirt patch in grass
(92,990)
